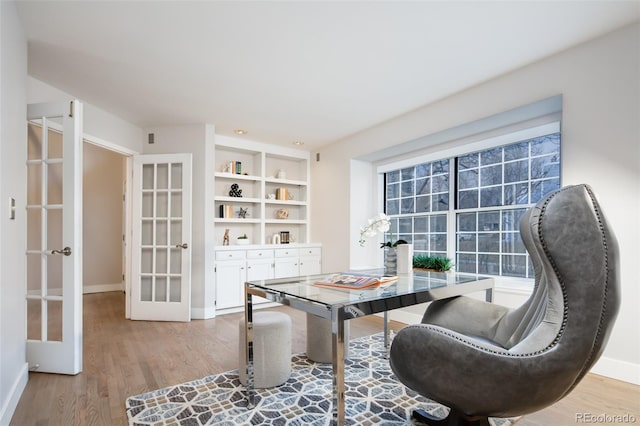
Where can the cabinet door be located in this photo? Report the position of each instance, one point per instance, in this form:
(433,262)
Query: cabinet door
(310,265)
(230,278)
(286,267)
(259,269)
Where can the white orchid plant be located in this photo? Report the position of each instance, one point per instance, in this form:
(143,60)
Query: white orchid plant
(378,224)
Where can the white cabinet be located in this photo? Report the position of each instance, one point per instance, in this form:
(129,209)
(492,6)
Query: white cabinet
(259,269)
(310,261)
(259,264)
(230,278)
(235,265)
(286,263)
(286,267)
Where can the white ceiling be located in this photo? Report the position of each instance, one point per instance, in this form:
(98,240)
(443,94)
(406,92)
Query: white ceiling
(293,70)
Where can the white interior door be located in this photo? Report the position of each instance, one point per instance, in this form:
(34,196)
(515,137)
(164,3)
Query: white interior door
(54,238)
(161,242)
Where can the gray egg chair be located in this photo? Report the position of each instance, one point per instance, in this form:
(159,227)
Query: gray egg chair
(484,360)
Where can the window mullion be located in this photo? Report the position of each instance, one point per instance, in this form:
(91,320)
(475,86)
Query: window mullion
(452,228)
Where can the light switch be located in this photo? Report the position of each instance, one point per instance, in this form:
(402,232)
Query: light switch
(12,208)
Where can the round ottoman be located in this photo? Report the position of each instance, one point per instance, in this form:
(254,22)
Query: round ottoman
(319,347)
(271,349)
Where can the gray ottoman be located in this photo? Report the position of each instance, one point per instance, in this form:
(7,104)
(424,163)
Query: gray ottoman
(271,349)
(319,339)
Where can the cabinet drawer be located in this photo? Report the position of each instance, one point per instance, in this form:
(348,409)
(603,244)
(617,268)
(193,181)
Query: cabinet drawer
(286,252)
(311,251)
(259,254)
(230,254)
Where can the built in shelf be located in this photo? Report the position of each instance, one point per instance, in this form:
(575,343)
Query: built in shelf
(236,220)
(285,181)
(237,176)
(286,221)
(287,202)
(263,163)
(237,199)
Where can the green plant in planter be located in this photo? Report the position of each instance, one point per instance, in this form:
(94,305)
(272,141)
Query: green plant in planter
(436,263)
(243,237)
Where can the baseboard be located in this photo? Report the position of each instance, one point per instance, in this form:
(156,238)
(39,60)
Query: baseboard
(619,370)
(203,313)
(404,317)
(10,404)
(102,288)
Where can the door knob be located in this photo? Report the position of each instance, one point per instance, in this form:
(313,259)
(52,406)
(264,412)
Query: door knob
(66,251)
(182,246)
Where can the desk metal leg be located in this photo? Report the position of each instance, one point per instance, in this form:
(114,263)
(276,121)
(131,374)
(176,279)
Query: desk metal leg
(386,334)
(488,295)
(337,334)
(248,323)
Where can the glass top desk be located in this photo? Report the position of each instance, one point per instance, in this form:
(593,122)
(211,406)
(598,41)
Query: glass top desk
(340,305)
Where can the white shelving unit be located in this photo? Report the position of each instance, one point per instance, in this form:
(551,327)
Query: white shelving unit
(271,178)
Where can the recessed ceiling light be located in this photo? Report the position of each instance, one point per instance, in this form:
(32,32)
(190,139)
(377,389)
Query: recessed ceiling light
(298,143)
(240,132)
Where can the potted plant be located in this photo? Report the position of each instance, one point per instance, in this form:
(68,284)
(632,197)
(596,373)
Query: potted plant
(243,240)
(381,224)
(432,263)
(378,224)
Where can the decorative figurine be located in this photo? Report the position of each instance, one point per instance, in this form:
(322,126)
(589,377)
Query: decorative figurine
(242,214)
(235,191)
(225,239)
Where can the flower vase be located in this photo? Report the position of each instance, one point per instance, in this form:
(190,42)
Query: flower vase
(405,259)
(391,260)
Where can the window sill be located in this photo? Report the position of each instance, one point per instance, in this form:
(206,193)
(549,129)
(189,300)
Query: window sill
(520,286)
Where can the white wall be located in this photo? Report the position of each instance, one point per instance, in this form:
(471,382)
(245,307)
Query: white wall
(96,122)
(363,200)
(196,139)
(13,137)
(600,141)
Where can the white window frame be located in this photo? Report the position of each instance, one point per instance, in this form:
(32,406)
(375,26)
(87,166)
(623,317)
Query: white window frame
(481,144)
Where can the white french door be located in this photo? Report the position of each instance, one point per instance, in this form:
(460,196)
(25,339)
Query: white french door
(54,237)
(161,243)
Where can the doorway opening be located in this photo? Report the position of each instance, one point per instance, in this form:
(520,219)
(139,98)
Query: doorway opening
(104,219)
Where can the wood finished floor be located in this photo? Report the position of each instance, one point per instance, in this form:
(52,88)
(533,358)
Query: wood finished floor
(124,358)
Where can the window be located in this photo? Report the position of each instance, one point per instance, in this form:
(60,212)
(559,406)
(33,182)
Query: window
(481,195)
(419,197)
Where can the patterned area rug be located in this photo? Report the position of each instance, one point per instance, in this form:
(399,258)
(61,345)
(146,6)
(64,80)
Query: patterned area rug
(373,396)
